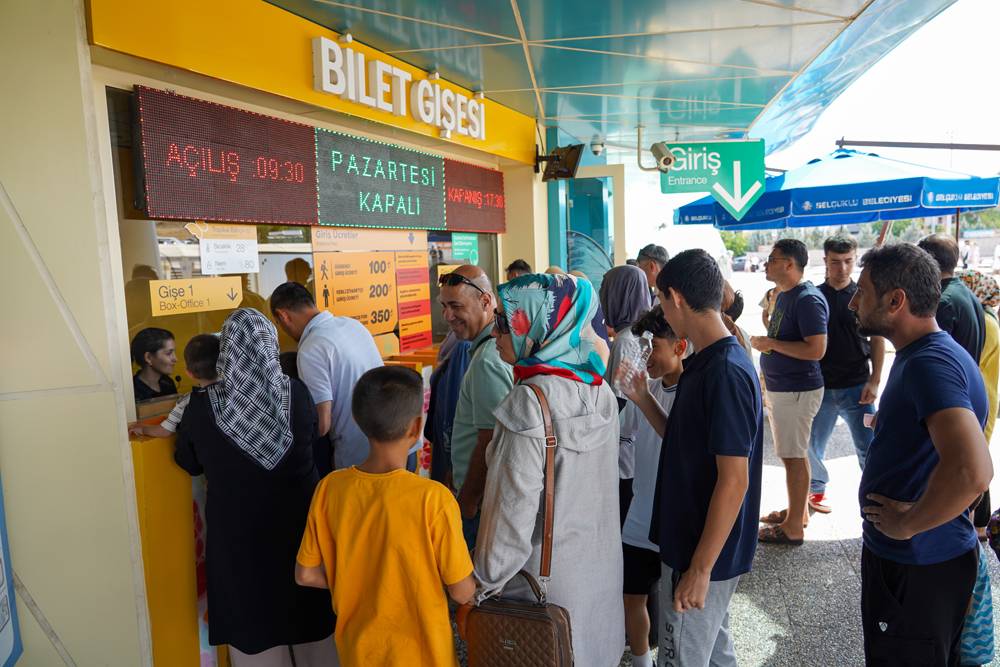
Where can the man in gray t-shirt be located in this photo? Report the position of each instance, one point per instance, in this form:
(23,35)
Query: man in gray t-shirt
(333,353)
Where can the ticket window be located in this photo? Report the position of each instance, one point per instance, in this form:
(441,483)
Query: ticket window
(177,251)
(445,251)
(156,250)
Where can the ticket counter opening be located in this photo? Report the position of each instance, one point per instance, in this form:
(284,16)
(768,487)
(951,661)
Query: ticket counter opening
(185,276)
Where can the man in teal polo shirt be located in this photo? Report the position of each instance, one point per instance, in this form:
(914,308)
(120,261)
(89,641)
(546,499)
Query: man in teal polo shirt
(467,302)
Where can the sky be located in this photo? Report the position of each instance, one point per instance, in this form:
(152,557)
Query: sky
(940,85)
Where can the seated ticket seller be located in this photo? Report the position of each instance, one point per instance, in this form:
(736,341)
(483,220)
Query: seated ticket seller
(200,356)
(386,542)
(154,352)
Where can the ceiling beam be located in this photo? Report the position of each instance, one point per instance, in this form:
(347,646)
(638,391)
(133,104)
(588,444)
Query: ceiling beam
(447,26)
(688,31)
(527,57)
(686,61)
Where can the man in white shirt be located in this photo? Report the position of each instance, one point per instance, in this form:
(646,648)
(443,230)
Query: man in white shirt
(333,353)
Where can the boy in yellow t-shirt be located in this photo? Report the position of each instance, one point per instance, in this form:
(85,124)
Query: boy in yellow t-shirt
(385,541)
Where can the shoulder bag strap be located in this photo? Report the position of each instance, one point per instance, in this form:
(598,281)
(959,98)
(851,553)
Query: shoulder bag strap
(550,486)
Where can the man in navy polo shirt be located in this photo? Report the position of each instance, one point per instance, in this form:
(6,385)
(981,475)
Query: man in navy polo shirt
(708,487)
(790,354)
(927,464)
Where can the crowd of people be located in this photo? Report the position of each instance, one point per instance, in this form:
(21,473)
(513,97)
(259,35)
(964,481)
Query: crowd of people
(313,510)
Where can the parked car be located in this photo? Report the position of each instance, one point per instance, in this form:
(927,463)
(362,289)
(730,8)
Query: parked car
(746,263)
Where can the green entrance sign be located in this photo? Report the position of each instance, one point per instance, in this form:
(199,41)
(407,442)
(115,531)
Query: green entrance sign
(732,171)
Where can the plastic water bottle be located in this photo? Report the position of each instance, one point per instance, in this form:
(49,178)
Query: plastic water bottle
(634,358)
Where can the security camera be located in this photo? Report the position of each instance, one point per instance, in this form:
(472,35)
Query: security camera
(664,158)
(596,146)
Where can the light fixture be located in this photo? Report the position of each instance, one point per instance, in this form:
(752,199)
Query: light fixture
(346,38)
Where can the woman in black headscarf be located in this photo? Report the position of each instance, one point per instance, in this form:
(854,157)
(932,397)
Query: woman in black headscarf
(252,435)
(625,298)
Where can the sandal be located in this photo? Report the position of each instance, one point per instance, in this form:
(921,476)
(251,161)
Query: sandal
(776,517)
(815,503)
(819,507)
(776,535)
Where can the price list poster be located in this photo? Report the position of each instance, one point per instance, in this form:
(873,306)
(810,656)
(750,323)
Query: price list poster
(361,285)
(414,297)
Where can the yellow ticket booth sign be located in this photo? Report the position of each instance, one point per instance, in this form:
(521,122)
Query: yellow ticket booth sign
(194,295)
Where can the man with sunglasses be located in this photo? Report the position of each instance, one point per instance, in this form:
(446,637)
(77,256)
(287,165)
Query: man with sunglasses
(790,354)
(467,303)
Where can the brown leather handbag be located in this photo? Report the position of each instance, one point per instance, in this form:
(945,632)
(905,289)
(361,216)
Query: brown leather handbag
(514,633)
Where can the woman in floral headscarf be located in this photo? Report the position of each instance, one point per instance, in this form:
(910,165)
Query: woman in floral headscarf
(543,328)
(988,292)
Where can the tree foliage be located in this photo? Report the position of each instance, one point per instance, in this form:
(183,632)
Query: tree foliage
(735,242)
(910,231)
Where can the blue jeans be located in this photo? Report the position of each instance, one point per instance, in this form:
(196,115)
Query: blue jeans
(842,403)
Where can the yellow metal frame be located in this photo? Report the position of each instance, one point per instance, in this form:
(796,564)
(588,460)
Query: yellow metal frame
(258,45)
(166,528)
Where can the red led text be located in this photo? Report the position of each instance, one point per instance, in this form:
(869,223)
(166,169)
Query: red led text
(280,170)
(200,160)
(476,198)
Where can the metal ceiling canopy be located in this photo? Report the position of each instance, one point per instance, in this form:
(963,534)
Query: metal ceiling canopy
(683,69)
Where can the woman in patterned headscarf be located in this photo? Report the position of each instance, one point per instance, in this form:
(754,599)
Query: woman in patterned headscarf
(543,328)
(988,292)
(252,435)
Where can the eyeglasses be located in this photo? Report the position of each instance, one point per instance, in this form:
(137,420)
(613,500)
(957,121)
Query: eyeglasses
(502,324)
(455,279)
(774,258)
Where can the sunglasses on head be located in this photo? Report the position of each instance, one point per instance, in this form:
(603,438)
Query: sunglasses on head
(503,326)
(455,279)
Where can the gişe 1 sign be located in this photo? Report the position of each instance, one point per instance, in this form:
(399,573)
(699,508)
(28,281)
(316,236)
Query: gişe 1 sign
(343,72)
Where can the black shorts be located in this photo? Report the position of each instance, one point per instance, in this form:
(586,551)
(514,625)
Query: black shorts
(642,570)
(913,614)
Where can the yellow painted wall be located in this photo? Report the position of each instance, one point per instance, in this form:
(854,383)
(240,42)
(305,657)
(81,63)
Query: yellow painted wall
(527,234)
(166,520)
(63,446)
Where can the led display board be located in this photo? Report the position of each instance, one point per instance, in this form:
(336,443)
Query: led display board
(475,199)
(206,161)
(365,183)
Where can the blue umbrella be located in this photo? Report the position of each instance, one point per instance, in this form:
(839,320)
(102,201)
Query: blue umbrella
(849,187)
